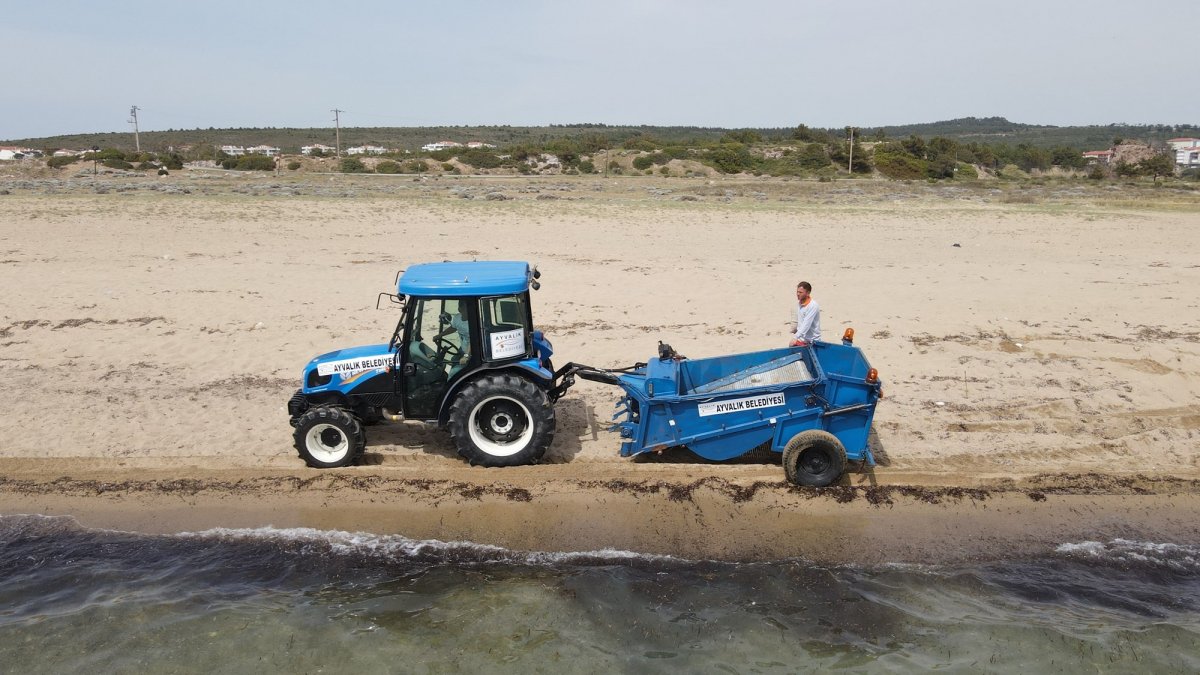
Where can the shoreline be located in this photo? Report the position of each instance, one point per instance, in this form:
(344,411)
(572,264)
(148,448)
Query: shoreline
(735,518)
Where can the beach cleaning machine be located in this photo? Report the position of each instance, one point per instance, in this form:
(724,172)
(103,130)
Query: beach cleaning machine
(465,356)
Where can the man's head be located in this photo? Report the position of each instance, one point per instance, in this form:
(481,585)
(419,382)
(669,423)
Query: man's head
(803,290)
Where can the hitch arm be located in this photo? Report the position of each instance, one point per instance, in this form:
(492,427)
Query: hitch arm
(564,377)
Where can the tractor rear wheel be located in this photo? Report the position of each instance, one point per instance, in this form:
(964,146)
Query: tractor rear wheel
(329,437)
(814,458)
(502,420)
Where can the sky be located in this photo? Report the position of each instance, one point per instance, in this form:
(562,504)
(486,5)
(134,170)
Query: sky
(73,66)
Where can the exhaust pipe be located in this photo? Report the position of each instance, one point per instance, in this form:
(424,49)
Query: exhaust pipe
(391,416)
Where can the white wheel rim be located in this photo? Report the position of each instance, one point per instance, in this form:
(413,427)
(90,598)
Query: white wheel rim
(501,423)
(321,451)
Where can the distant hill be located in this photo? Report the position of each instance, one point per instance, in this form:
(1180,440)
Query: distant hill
(1000,130)
(991,130)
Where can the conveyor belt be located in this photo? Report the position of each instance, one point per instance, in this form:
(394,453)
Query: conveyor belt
(780,371)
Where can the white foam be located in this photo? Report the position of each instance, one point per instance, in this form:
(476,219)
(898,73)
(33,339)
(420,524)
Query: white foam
(398,546)
(1177,556)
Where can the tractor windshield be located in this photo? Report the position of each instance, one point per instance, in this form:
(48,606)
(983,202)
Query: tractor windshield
(507,326)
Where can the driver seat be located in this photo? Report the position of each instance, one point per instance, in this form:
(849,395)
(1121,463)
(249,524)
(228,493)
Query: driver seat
(422,355)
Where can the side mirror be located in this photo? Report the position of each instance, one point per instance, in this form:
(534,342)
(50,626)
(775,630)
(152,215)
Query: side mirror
(409,369)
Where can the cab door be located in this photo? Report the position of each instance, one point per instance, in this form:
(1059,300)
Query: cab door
(440,347)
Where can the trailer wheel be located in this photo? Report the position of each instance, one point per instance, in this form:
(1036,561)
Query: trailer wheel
(329,437)
(502,420)
(814,458)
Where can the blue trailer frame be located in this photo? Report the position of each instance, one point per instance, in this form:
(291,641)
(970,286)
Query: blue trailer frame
(714,407)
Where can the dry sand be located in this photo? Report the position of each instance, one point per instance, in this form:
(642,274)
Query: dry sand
(1041,376)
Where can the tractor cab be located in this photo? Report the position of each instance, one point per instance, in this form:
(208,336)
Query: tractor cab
(460,318)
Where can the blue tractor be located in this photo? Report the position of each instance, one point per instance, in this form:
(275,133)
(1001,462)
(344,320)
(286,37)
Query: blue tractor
(464,355)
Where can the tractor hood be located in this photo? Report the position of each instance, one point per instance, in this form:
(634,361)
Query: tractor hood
(338,368)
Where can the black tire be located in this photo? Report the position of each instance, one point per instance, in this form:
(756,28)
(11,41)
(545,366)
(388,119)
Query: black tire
(329,437)
(814,458)
(502,420)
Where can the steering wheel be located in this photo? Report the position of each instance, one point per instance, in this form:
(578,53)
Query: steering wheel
(447,348)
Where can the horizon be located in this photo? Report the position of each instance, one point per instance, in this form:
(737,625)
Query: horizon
(595,124)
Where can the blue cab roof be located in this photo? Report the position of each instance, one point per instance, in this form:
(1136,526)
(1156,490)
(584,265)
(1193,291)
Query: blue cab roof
(458,279)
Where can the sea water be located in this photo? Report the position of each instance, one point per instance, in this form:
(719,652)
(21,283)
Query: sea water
(271,600)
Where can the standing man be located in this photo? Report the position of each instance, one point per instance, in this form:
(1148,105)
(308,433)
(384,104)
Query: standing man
(808,317)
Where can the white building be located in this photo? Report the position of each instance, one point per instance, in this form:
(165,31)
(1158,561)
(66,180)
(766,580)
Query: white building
(440,145)
(479,144)
(1187,152)
(268,150)
(308,149)
(233,150)
(366,150)
(11,152)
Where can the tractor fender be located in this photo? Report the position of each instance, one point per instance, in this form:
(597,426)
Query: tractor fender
(528,369)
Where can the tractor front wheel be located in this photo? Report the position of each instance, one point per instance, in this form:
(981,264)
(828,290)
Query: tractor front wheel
(329,437)
(814,458)
(502,420)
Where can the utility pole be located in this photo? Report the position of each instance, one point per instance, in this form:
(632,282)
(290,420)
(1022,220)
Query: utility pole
(850,164)
(337,125)
(133,120)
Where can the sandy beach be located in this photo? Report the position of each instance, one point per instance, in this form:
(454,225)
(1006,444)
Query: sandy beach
(1039,347)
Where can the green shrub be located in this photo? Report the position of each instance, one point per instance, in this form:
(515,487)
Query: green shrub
(1013,172)
(146,166)
(387,166)
(442,155)
(894,161)
(744,136)
(586,166)
(730,158)
(966,171)
(780,167)
(479,158)
(117,163)
(415,166)
(665,170)
(642,162)
(812,156)
(941,167)
(56,162)
(354,165)
(447,166)
(249,163)
(293,165)
(641,142)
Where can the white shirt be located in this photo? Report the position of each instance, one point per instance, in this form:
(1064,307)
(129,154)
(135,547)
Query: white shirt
(462,328)
(808,321)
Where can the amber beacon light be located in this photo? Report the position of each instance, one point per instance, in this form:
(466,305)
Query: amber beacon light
(848,336)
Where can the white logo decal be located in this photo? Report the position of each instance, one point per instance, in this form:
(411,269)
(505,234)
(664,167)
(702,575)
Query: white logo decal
(347,367)
(740,404)
(508,343)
